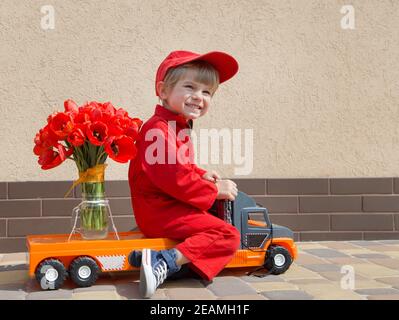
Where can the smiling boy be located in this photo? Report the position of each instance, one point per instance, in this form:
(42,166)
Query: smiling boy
(171,199)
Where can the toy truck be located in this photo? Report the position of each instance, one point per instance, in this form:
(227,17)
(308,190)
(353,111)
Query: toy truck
(53,257)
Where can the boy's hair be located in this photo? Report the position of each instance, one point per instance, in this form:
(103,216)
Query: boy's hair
(206,74)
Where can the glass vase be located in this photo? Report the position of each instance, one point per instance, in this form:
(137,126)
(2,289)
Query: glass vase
(93,211)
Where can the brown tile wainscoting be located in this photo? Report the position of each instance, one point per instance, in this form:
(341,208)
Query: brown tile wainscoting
(315,209)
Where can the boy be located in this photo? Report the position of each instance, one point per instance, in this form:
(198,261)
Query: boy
(170,194)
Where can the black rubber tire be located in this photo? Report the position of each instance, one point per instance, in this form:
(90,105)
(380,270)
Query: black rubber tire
(134,258)
(270,262)
(84,262)
(43,267)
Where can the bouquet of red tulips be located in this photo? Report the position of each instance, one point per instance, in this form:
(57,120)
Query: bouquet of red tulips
(88,134)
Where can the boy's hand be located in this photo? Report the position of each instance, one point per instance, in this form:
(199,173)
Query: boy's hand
(227,189)
(211,176)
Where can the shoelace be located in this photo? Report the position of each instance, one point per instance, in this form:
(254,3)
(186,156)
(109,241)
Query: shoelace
(160,272)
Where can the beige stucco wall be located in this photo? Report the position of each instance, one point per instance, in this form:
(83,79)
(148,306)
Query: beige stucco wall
(322,101)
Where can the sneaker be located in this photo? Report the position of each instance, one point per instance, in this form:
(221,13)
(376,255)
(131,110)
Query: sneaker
(156,266)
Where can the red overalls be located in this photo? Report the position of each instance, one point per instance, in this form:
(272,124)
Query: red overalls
(170,199)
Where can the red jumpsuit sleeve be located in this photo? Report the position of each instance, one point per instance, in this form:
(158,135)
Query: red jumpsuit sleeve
(199,170)
(179,180)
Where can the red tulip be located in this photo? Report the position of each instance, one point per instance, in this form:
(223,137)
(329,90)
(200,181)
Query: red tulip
(51,158)
(102,112)
(63,152)
(77,136)
(121,113)
(96,115)
(44,139)
(137,121)
(97,132)
(121,149)
(115,126)
(84,115)
(71,106)
(108,108)
(133,129)
(61,124)
(81,118)
(125,126)
(94,104)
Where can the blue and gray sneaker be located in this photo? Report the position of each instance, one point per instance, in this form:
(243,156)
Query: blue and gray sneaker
(156,266)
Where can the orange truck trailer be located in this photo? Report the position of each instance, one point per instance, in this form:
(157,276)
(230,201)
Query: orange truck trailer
(53,257)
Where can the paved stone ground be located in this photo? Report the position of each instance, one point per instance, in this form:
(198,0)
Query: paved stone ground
(321,272)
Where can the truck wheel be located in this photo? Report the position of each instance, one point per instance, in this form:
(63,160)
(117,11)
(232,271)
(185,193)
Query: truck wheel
(51,274)
(278,260)
(84,271)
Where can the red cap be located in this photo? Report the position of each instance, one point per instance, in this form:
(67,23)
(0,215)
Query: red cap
(225,64)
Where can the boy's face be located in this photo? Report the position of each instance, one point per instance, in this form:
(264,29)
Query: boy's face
(188,97)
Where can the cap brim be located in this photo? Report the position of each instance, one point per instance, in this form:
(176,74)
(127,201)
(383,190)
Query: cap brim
(224,63)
